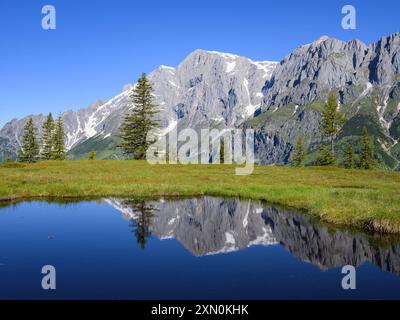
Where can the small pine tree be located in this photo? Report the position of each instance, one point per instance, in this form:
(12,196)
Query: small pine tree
(47,138)
(366,156)
(30,147)
(140,121)
(348,157)
(299,153)
(325,157)
(59,152)
(332,120)
(92,155)
(222,152)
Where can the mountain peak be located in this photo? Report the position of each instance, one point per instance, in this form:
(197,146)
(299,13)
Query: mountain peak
(167,67)
(316,42)
(322,39)
(224,55)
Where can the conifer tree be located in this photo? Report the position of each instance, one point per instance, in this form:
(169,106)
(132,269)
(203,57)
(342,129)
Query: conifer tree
(222,152)
(332,120)
(59,152)
(325,157)
(92,155)
(348,157)
(366,156)
(299,153)
(30,147)
(47,138)
(140,121)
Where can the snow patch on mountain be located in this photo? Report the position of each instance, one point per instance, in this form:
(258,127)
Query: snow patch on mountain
(190,94)
(225,55)
(230,66)
(250,108)
(267,66)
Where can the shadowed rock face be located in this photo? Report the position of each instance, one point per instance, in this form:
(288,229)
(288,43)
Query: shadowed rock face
(211,226)
(365,77)
(313,70)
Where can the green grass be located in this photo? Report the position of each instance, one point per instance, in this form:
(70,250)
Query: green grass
(356,198)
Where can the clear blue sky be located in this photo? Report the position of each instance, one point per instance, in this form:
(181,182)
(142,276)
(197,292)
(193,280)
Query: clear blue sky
(101,45)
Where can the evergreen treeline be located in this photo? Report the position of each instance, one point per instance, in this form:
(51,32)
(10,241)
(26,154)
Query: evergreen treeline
(332,122)
(51,145)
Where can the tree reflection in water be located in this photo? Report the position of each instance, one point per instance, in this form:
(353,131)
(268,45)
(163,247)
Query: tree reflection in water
(144,211)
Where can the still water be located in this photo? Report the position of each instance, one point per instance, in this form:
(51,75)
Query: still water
(205,248)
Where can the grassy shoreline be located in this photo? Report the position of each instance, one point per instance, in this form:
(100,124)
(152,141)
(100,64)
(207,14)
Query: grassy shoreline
(369,200)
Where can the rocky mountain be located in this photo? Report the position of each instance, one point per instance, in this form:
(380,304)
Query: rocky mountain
(208,226)
(281,101)
(352,68)
(207,88)
(366,79)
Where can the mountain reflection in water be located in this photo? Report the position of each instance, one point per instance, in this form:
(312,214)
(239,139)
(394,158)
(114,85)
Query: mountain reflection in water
(201,248)
(208,226)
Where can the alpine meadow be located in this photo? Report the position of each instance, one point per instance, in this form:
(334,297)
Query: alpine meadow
(229,151)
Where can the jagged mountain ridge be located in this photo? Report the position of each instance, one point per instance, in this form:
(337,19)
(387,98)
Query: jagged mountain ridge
(312,71)
(207,87)
(367,81)
(224,90)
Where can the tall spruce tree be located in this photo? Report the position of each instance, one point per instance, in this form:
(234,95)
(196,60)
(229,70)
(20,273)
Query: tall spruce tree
(348,157)
(299,153)
(59,151)
(332,120)
(140,121)
(47,138)
(366,156)
(30,147)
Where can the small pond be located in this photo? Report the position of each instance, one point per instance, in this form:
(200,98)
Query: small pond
(203,248)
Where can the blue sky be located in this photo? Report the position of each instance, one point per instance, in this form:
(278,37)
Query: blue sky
(99,46)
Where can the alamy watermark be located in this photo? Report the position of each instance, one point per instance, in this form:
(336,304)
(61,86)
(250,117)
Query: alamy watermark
(188,147)
(49,21)
(349,21)
(349,280)
(49,280)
